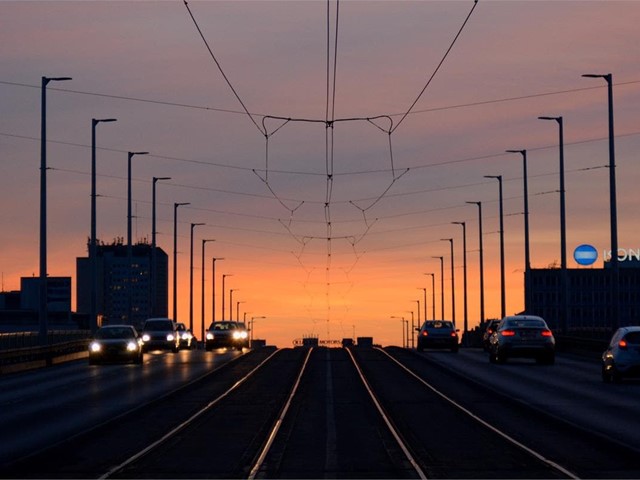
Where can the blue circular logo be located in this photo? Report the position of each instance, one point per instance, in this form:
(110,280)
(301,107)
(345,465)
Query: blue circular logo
(585,254)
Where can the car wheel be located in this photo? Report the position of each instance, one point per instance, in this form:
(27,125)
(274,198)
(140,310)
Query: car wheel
(606,376)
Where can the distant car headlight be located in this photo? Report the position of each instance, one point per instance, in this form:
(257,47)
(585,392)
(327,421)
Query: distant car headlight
(146,337)
(186,336)
(132,346)
(239,335)
(95,347)
(170,337)
(209,336)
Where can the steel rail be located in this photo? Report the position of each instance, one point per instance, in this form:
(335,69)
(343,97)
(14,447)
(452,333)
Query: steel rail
(387,421)
(484,423)
(187,422)
(276,427)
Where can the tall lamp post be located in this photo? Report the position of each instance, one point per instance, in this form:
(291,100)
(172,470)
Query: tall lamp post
(175,258)
(213,289)
(154,255)
(464,274)
(93,254)
(129,241)
(424,304)
(563,228)
(410,340)
(251,329)
(402,321)
(503,301)
(43,313)
(231,290)
(433,295)
(612,202)
(193,225)
(441,286)
(453,283)
(238,310)
(202,315)
(224,276)
(479,204)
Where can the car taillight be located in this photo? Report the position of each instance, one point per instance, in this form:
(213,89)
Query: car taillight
(546,333)
(454,334)
(425,333)
(623,344)
(508,333)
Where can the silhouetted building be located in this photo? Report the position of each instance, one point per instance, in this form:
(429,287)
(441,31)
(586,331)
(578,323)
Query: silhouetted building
(10,300)
(58,294)
(116,279)
(590,305)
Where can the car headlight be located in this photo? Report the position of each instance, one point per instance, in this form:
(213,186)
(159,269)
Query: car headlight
(132,346)
(146,337)
(95,347)
(239,335)
(186,336)
(209,336)
(170,337)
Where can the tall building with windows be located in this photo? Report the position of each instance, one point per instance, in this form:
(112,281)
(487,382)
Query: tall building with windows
(126,293)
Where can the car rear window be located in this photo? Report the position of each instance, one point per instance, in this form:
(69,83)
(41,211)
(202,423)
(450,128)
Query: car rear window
(633,338)
(438,324)
(525,323)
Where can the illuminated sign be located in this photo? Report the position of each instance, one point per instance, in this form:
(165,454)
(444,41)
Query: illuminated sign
(585,254)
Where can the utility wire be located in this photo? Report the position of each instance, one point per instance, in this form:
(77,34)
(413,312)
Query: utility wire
(475,3)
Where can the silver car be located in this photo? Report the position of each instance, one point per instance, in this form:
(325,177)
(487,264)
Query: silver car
(116,343)
(622,356)
(160,334)
(521,336)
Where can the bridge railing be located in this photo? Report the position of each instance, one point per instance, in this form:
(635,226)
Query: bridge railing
(23,351)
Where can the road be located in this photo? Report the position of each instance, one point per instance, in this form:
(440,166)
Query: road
(320,413)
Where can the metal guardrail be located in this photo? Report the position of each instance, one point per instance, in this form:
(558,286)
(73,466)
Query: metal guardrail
(22,351)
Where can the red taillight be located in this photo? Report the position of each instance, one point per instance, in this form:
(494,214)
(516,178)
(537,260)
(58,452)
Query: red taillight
(546,333)
(622,344)
(454,334)
(425,333)
(508,333)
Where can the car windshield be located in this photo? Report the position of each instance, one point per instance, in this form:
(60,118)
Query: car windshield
(114,332)
(524,323)
(158,325)
(181,327)
(438,324)
(223,326)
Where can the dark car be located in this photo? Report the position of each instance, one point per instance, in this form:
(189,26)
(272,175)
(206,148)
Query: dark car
(622,356)
(227,334)
(523,336)
(187,340)
(116,343)
(438,334)
(490,327)
(160,334)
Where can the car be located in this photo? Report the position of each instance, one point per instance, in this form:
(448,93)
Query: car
(490,327)
(522,336)
(438,334)
(622,356)
(116,343)
(187,340)
(227,334)
(160,334)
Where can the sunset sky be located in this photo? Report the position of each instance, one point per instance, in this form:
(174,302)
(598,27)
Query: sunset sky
(320,244)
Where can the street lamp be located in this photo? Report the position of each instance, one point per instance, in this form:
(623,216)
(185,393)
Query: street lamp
(563,227)
(433,295)
(251,329)
(175,258)
(238,310)
(93,254)
(402,321)
(223,278)
(412,326)
(503,301)
(453,283)
(154,266)
(231,290)
(464,274)
(479,204)
(441,286)
(527,256)
(42,305)
(213,289)
(424,303)
(193,225)
(202,315)
(129,242)
(612,199)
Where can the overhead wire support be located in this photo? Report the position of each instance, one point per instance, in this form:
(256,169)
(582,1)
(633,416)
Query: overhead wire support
(220,66)
(444,57)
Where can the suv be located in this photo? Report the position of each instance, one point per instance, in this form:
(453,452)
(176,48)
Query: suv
(521,336)
(227,334)
(438,334)
(160,334)
(622,356)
